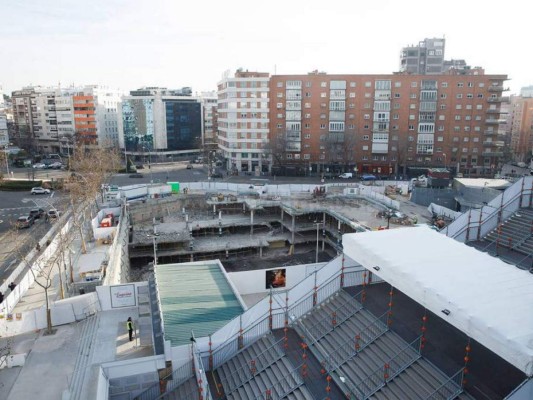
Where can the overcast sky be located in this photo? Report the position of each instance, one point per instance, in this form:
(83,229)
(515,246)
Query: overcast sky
(134,43)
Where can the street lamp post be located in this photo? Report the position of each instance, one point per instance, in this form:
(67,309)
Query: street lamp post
(154,237)
(7,159)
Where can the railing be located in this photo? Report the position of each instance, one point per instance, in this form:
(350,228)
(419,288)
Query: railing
(368,335)
(201,378)
(322,327)
(449,389)
(283,387)
(469,222)
(174,379)
(261,362)
(232,345)
(398,363)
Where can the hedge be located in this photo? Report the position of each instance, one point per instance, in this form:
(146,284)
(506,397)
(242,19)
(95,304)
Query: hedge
(13,185)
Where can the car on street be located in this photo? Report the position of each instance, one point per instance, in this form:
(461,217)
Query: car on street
(189,166)
(36,213)
(137,175)
(39,166)
(55,165)
(217,174)
(53,214)
(368,177)
(24,222)
(346,175)
(40,190)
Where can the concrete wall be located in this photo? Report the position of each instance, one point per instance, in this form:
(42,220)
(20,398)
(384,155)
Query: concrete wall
(105,294)
(251,282)
(62,312)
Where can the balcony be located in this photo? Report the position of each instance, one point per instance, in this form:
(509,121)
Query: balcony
(494,121)
(490,132)
(492,154)
(496,99)
(491,143)
(498,88)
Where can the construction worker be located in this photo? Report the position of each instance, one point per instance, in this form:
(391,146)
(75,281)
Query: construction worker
(129,327)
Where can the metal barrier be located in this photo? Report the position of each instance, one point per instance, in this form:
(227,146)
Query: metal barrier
(353,346)
(322,327)
(179,376)
(449,389)
(398,363)
(261,362)
(283,387)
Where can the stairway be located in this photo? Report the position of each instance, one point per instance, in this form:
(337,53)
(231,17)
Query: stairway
(419,381)
(516,232)
(188,390)
(258,368)
(89,328)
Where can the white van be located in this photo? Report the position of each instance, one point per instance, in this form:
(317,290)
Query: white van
(346,175)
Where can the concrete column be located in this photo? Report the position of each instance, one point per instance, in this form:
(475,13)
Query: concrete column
(192,257)
(260,251)
(324,230)
(282,220)
(251,222)
(292,234)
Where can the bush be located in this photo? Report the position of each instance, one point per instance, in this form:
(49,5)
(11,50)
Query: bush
(14,186)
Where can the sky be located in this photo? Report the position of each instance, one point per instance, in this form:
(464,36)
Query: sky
(176,43)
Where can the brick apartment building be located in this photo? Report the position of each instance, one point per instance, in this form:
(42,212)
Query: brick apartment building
(378,124)
(522,127)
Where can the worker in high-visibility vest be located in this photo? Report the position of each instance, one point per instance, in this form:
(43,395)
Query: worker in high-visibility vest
(129,327)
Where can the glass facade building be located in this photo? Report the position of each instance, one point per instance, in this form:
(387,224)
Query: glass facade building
(138,124)
(183,123)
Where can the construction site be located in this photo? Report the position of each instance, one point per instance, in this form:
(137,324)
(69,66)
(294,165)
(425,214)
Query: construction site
(249,230)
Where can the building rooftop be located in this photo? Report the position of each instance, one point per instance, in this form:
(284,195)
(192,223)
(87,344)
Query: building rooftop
(195,297)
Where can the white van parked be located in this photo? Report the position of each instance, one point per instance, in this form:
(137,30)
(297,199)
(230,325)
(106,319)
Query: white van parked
(346,175)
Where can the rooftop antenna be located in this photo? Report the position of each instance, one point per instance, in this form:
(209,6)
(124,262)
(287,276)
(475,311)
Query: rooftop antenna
(275,69)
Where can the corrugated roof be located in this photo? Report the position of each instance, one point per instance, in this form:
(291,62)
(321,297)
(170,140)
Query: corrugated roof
(194,297)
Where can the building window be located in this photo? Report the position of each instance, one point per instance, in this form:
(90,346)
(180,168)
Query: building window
(280,125)
(396,106)
(459,95)
(470,84)
(460,84)
(411,117)
(397,84)
(444,84)
(480,95)
(457,117)
(307,136)
(366,116)
(352,95)
(366,137)
(414,84)
(307,156)
(323,94)
(323,84)
(279,105)
(412,96)
(366,127)
(368,95)
(322,126)
(469,95)
(443,106)
(443,95)
(411,138)
(365,148)
(479,107)
(280,84)
(412,106)
(396,95)
(395,116)
(368,84)
(307,126)
(308,84)
(411,127)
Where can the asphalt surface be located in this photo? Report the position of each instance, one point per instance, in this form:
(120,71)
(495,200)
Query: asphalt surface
(14,242)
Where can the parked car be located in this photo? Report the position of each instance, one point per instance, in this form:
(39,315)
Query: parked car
(24,222)
(137,175)
(36,213)
(39,166)
(53,214)
(346,175)
(40,190)
(217,174)
(189,166)
(368,177)
(55,165)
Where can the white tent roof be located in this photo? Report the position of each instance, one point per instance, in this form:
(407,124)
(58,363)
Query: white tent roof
(488,299)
